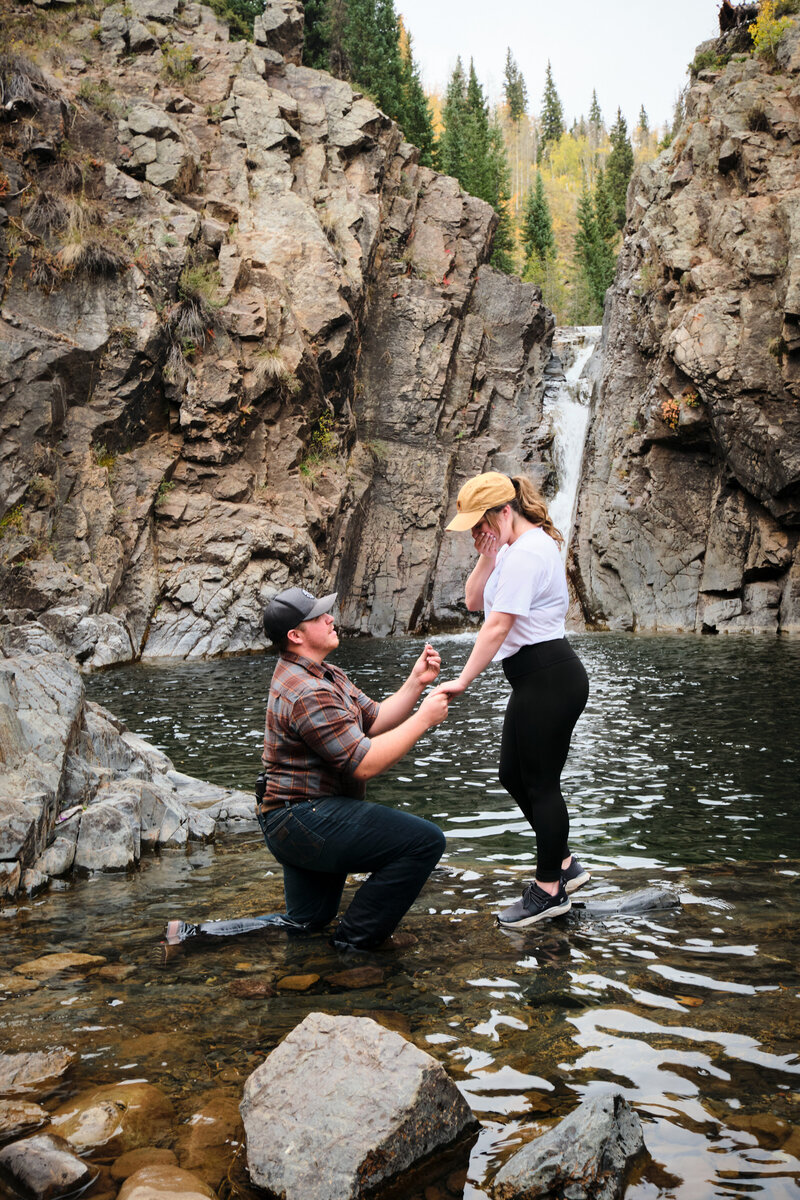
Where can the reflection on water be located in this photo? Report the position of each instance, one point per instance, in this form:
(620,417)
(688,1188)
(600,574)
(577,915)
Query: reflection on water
(687,751)
(684,771)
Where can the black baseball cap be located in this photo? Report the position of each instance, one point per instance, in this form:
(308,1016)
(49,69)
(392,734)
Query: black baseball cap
(287,609)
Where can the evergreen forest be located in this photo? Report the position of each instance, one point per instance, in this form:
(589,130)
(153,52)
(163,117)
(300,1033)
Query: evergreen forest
(557,184)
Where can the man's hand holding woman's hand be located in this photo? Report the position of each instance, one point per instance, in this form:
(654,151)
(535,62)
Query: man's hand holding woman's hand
(434,707)
(452,687)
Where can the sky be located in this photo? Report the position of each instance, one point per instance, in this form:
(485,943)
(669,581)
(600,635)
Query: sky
(633,52)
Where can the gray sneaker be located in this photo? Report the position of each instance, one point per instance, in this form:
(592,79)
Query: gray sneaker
(575,876)
(535,905)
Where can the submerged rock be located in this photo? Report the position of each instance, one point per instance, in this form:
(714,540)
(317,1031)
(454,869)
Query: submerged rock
(297,983)
(15,985)
(146,1156)
(208,1140)
(110,1120)
(18,1117)
(356,977)
(36,1072)
(54,964)
(44,1167)
(165,1183)
(649,899)
(345,1092)
(584,1157)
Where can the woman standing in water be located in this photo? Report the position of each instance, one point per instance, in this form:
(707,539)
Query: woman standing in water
(520,583)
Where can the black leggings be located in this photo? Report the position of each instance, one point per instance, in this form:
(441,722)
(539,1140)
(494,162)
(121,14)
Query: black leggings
(549,689)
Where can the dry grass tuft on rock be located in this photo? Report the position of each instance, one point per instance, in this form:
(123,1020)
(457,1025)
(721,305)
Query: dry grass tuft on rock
(47,214)
(93,257)
(19,82)
(270,367)
(188,321)
(46,271)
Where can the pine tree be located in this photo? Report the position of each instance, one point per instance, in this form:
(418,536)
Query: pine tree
(596,127)
(415,121)
(604,209)
(334,29)
(619,167)
(475,171)
(585,307)
(552,112)
(537,224)
(371,45)
(678,114)
(473,150)
(316,35)
(514,87)
(449,153)
(605,258)
(594,257)
(499,179)
(644,122)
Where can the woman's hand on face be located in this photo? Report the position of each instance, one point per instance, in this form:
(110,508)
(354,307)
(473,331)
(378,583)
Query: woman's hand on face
(486,544)
(427,666)
(453,687)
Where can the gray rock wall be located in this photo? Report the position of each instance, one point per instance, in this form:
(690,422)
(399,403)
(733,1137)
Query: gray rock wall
(689,507)
(79,791)
(245,341)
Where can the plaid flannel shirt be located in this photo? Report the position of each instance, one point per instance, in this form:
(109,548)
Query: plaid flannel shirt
(315,732)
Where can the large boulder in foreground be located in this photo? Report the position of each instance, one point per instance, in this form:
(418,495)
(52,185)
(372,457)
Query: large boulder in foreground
(585,1156)
(342,1105)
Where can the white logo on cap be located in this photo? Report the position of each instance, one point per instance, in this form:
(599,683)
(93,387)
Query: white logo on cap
(310,595)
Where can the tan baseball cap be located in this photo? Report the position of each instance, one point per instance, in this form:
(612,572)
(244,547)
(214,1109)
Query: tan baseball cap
(479,494)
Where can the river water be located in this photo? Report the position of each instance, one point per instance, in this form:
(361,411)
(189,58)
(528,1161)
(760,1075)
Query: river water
(684,772)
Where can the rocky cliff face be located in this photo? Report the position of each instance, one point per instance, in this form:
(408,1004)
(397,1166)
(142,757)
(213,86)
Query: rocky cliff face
(689,511)
(246,340)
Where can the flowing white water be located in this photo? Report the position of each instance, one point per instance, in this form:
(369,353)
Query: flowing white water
(566,400)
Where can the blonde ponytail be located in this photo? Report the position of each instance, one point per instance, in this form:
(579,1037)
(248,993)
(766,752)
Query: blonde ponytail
(530,504)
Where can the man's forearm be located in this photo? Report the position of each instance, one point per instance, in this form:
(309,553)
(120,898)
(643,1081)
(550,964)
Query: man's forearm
(388,748)
(397,707)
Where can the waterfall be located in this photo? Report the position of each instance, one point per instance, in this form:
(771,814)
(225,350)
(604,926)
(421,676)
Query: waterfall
(566,402)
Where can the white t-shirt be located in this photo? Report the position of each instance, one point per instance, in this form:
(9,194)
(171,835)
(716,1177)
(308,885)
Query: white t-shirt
(528,580)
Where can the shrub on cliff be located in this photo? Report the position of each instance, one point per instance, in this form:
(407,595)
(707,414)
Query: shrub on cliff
(767,31)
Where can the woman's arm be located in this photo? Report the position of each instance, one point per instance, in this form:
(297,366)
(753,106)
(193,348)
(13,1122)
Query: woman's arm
(491,637)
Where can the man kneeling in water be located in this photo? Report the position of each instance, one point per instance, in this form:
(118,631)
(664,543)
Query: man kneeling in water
(324,739)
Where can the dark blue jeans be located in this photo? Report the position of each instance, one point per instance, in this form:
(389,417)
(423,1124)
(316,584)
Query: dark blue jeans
(319,842)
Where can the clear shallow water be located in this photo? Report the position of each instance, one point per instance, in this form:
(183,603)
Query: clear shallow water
(684,771)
